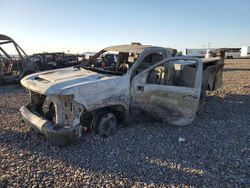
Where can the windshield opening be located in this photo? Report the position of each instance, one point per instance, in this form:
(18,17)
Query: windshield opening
(112,62)
(11,57)
(10,50)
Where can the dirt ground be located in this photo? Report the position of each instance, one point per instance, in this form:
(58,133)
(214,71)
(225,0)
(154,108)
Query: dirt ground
(215,153)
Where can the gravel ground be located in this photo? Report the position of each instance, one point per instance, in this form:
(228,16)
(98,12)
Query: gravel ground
(215,152)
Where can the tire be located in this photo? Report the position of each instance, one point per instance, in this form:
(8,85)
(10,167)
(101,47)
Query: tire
(104,123)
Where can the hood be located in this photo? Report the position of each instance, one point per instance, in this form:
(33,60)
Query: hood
(56,81)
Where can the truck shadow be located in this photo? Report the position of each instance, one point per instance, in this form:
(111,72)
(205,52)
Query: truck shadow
(150,152)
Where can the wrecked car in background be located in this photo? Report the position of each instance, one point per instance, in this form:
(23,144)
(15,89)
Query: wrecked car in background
(100,95)
(54,60)
(14,62)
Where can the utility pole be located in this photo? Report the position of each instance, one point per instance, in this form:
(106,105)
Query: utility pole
(208,45)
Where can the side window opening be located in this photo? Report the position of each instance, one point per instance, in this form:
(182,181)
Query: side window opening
(125,61)
(181,74)
(148,61)
(115,61)
(187,76)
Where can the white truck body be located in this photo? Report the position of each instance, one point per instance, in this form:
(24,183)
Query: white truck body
(245,51)
(197,52)
(232,54)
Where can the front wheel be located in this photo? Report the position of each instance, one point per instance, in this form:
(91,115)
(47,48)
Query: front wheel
(104,123)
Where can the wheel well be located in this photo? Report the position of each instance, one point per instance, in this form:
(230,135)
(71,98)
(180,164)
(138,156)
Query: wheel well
(86,119)
(118,110)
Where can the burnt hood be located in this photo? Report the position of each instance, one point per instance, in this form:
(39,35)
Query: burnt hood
(56,81)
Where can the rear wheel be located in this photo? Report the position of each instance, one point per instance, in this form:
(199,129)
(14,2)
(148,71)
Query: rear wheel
(104,123)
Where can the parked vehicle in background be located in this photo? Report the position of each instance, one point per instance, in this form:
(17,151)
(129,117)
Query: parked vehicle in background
(14,62)
(72,60)
(210,53)
(100,96)
(228,53)
(47,61)
(174,52)
(88,55)
(245,51)
(200,53)
(232,53)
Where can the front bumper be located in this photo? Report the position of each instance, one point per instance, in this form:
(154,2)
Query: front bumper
(56,135)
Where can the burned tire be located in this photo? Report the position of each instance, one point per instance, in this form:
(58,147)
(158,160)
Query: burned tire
(104,123)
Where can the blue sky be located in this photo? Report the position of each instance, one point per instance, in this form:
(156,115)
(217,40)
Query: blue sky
(78,26)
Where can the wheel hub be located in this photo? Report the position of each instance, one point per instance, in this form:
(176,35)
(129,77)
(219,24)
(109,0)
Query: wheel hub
(107,125)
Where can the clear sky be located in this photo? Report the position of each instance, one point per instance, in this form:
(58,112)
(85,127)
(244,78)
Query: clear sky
(89,25)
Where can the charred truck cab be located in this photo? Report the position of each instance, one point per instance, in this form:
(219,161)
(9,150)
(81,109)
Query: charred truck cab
(103,93)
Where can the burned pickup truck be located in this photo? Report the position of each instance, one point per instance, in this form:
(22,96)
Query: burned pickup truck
(101,94)
(14,62)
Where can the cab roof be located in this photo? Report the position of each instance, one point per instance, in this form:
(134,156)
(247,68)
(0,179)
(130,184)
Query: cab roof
(4,37)
(130,48)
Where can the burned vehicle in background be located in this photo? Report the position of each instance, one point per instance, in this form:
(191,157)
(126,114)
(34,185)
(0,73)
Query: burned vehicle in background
(54,60)
(102,93)
(14,62)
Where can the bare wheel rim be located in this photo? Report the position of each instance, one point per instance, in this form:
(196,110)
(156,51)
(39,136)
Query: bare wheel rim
(107,125)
